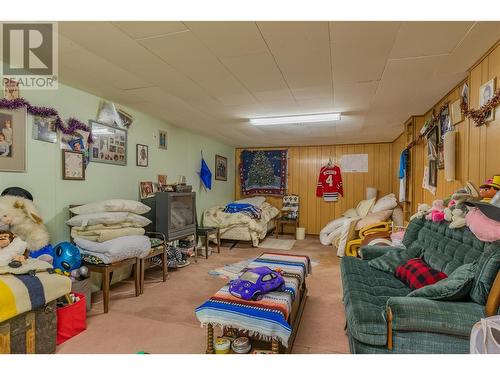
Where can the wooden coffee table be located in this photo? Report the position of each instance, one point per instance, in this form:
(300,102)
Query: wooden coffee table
(275,322)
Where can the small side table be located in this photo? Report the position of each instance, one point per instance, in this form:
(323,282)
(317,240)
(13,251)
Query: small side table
(280,221)
(156,251)
(106,270)
(206,232)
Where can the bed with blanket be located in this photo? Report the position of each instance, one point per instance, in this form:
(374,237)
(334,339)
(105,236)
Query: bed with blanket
(248,219)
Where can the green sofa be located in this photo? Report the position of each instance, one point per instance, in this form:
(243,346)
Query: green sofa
(381,319)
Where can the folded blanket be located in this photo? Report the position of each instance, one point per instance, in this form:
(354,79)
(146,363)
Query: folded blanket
(102,235)
(245,208)
(116,249)
(126,224)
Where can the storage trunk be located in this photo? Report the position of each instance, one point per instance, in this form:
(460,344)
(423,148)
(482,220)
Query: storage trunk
(31,332)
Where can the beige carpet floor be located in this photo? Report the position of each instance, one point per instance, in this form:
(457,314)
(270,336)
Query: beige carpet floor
(162,319)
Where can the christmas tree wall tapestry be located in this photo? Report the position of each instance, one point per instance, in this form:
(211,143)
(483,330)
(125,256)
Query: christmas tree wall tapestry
(263,172)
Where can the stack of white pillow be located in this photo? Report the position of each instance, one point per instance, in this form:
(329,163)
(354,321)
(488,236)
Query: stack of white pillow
(111,230)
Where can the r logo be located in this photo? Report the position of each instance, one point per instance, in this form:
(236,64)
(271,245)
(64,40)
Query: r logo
(27,48)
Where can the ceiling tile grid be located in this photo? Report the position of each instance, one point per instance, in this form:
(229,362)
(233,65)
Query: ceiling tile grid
(212,77)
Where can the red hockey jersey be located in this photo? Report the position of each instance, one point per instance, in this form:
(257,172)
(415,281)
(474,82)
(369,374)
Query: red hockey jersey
(329,183)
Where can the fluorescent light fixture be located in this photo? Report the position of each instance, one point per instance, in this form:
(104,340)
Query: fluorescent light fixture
(297,119)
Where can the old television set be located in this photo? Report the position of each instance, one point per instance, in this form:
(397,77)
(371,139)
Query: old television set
(172,213)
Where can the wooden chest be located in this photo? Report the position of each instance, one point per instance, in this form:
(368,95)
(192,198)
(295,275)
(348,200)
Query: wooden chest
(33,332)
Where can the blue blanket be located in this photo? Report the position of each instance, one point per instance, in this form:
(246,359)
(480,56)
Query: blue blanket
(244,208)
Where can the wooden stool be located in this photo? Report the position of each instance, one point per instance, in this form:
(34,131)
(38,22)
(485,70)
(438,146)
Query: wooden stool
(106,270)
(156,251)
(206,232)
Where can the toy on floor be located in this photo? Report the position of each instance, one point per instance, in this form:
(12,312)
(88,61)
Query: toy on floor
(255,282)
(488,190)
(66,258)
(12,250)
(21,217)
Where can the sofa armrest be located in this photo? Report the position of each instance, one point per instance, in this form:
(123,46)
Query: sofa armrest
(421,314)
(373,251)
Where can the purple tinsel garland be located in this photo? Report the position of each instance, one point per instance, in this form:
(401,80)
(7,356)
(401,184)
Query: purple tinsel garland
(73,123)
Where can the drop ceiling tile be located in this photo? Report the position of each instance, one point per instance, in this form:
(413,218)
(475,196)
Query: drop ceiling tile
(147,29)
(360,49)
(428,38)
(479,39)
(259,74)
(301,50)
(354,96)
(189,56)
(412,69)
(229,39)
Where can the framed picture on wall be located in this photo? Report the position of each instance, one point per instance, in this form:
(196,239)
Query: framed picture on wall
(110,144)
(162,139)
(486,92)
(141,155)
(456,113)
(73,165)
(220,168)
(13,140)
(44,129)
(146,189)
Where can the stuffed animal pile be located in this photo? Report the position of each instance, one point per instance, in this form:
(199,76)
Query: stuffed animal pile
(452,210)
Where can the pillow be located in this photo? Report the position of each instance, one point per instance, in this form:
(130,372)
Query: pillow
(108,218)
(350,213)
(256,201)
(393,258)
(416,274)
(387,202)
(483,227)
(365,206)
(112,205)
(455,287)
(116,249)
(372,218)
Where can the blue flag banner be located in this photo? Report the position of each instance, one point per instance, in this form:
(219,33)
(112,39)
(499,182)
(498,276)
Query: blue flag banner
(205,174)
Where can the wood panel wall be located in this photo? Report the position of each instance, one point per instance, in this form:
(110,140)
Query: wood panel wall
(477,148)
(303,168)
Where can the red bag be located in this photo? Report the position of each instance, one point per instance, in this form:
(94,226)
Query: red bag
(71,319)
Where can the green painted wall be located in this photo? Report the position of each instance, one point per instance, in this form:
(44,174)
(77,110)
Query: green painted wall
(52,194)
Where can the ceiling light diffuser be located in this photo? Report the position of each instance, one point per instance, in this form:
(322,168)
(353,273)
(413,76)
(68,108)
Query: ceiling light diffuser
(297,119)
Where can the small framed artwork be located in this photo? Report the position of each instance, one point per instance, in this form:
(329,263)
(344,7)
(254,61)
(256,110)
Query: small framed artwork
(162,139)
(13,140)
(146,189)
(486,92)
(142,155)
(73,163)
(110,144)
(125,118)
(220,168)
(162,180)
(10,89)
(456,113)
(44,129)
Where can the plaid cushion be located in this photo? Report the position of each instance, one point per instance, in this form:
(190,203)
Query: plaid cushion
(416,273)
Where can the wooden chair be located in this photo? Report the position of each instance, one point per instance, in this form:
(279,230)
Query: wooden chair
(289,214)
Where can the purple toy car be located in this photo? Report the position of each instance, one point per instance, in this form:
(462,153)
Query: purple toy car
(254,282)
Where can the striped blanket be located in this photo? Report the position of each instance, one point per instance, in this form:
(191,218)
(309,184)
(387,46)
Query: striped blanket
(21,293)
(268,318)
